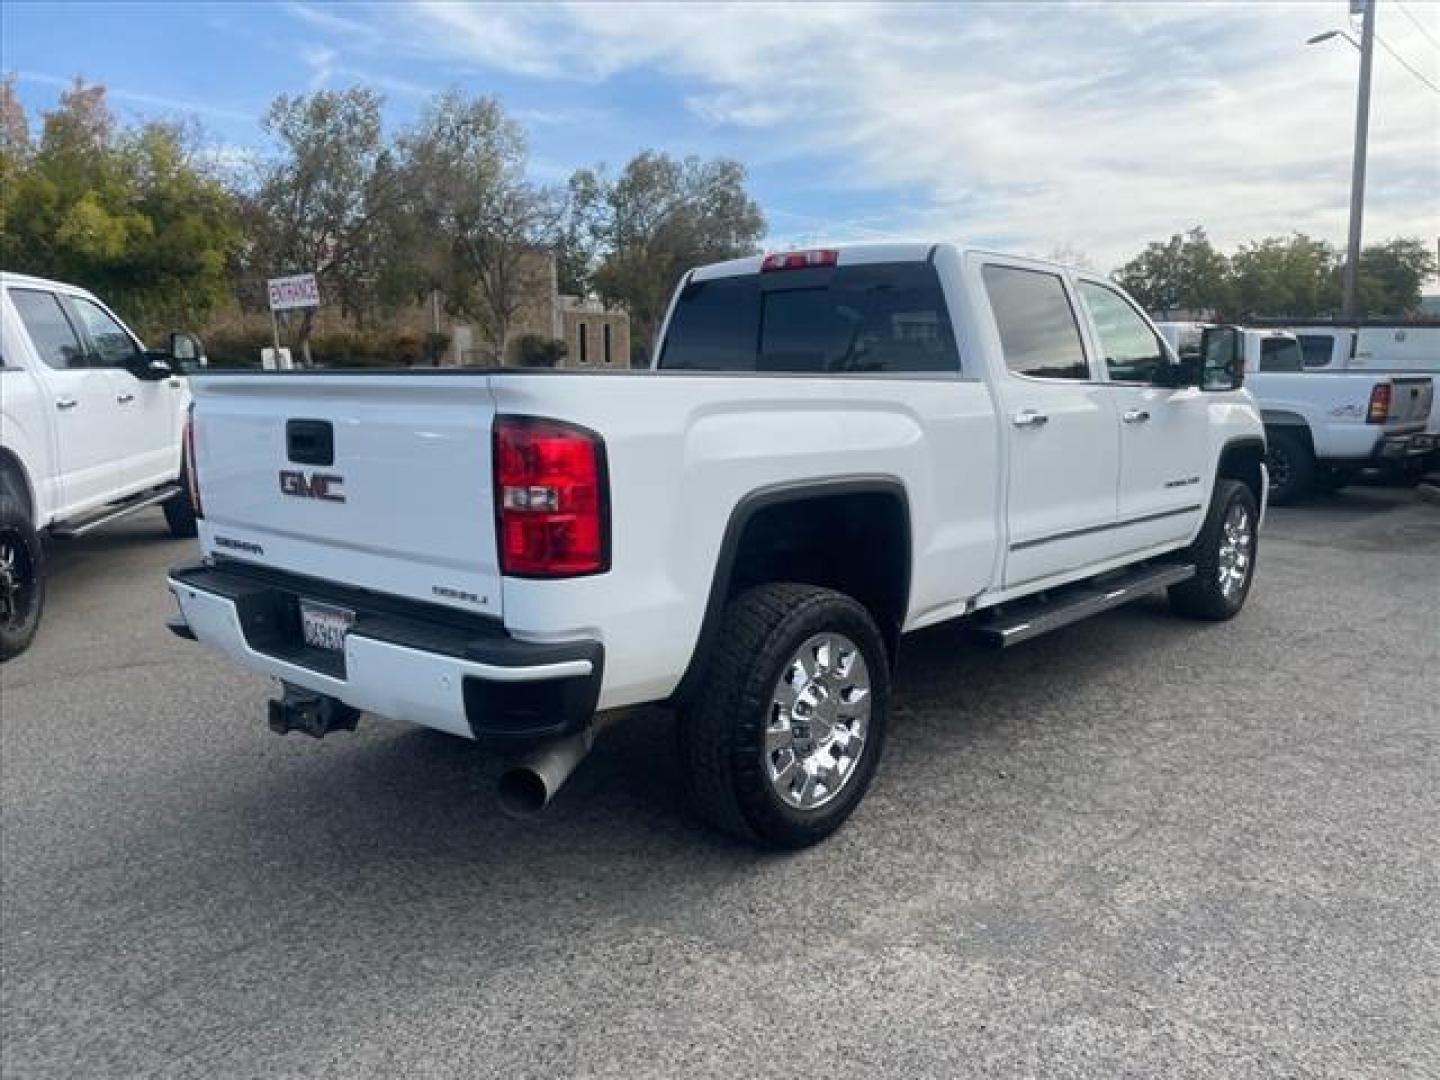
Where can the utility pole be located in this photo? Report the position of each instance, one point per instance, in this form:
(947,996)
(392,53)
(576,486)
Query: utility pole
(1351,302)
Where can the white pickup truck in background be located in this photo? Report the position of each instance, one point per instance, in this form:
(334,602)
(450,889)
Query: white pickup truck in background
(1375,345)
(1322,428)
(836,447)
(90,431)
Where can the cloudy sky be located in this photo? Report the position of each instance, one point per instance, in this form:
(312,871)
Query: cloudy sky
(1038,127)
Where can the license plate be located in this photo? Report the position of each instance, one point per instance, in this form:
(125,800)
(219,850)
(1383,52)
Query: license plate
(323,626)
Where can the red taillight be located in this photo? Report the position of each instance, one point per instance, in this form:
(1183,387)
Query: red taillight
(799,260)
(551,499)
(188,466)
(1379,404)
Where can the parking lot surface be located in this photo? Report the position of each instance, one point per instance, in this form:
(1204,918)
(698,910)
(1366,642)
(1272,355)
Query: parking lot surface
(1136,847)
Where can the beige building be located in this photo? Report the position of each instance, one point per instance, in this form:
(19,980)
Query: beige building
(594,335)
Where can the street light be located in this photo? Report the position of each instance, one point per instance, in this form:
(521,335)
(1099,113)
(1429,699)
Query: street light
(1328,34)
(1366,45)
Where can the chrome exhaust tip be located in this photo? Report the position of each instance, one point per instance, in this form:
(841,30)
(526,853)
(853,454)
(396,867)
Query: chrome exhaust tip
(529,783)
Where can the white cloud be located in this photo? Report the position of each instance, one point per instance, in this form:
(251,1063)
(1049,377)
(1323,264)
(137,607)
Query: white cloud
(141,98)
(1093,126)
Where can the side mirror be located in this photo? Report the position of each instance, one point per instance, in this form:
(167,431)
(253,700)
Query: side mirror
(151,366)
(1222,358)
(186,351)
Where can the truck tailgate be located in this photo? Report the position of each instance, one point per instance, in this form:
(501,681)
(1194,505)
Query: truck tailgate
(1410,402)
(375,479)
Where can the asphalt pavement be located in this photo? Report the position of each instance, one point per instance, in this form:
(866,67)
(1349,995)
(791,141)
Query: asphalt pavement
(1137,847)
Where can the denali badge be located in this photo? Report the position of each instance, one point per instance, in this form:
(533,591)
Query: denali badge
(313,486)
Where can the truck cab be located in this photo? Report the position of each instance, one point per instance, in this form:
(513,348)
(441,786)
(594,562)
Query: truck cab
(91,431)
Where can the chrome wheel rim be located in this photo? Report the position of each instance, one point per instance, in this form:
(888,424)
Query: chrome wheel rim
(1237,541)
(819,718)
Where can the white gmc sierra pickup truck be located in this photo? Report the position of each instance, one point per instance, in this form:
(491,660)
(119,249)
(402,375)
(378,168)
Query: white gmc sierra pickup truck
(835,447)
(1322,428)
(90,426)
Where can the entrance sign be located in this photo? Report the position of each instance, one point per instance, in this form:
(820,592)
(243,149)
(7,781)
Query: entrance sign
(297,291)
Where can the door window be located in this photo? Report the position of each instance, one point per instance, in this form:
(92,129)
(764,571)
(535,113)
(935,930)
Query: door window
(1038,331)
(1132,350)
(49,328)
(1281,354)
(113,344)
(1316,349)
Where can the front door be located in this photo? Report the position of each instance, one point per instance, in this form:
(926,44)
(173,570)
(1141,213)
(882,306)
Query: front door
(1060,425)
(1164,432)
(87,418)
(149,409)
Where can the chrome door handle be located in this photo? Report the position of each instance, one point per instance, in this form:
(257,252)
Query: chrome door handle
(124,399)
(1135,416)
(66,403)
(1029,418)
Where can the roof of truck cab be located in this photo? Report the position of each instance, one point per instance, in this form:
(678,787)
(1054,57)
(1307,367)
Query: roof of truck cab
(858,254)
(8,277)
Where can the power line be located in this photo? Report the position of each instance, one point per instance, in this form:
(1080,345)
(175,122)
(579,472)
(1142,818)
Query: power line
(1406,64)
(1418,24)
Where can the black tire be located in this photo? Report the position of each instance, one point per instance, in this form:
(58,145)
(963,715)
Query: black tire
(1291,463)
(22,574)
(1203,596)
(179,512)
(722,727)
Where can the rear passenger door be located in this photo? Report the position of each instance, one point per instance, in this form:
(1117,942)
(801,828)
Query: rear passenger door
(1164,432)
(1060,426)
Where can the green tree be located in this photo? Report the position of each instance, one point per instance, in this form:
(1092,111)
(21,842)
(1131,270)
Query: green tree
(322,204)
(1182,273)
(129,213)
(481,223)
(659,218)
(1285,276)
(1391,275)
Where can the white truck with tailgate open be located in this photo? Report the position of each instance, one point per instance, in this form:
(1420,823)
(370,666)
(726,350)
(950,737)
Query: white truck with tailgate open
(834,447)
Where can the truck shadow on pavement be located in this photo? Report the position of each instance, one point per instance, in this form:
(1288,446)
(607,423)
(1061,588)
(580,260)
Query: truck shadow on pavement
(421,798)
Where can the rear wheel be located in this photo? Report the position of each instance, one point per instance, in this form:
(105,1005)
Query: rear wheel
(22,576)
(782,737)
(1224,556)
(1291,464)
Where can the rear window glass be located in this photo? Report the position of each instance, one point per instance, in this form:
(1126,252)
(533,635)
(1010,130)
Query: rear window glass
(1281,354)
(883,317)
(1317,349)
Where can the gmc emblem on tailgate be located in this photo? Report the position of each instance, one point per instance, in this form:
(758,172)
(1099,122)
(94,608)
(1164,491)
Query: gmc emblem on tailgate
(312,486)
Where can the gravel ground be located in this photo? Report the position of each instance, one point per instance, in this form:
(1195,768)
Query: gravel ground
(1137,847)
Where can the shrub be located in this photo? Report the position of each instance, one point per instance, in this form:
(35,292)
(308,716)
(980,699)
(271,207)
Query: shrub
(541,352)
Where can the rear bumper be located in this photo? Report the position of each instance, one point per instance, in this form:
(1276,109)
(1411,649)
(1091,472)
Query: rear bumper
(416,662)
(1397,448)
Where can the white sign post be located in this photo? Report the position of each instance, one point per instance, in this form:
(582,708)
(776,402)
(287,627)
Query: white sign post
(289,293)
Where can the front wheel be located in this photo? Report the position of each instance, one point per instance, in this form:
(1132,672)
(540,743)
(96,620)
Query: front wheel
(1224,556)
(22,577)
(782,737)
